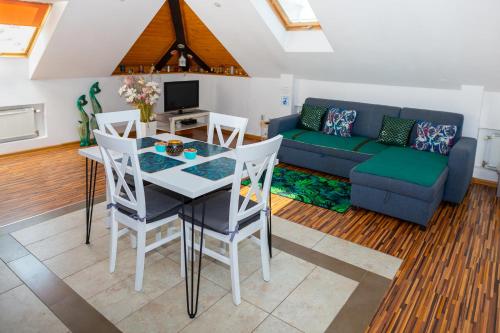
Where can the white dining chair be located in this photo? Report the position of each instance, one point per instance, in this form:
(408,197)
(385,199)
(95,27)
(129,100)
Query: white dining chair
(108,121)
(231,217)
(143,209)
(218,120)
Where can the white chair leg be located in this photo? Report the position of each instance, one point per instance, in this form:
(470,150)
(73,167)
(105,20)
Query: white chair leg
(235,273)
(133,239)
(264,253)
(107,220)
(139,263)
(113,244)
(158,236)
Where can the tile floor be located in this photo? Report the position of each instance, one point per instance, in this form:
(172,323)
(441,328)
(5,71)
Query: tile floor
(301,297)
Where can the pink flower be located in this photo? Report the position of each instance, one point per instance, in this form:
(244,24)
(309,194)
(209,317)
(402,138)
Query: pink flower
(129,80)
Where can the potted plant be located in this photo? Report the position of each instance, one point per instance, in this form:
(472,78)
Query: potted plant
(143,95)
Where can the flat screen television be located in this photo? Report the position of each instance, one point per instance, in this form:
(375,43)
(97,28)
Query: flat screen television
(180,95)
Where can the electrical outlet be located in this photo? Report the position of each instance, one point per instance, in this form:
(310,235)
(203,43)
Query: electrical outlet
(284,100)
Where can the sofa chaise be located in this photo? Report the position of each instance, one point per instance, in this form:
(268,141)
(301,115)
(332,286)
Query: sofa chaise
(398,181)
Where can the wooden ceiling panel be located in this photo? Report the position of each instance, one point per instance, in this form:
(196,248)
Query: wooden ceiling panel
(159,36)
(154,41)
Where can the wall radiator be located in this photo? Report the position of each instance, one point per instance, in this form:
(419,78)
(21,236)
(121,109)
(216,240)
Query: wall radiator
(18,124)
(491,159)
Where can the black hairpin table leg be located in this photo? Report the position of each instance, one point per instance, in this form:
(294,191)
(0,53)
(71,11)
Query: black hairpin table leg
(269,233)
(90,181)
(192,301)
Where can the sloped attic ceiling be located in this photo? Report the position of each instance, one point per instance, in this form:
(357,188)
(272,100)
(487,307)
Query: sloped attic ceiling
(422,43)
(90,37)
(159,36)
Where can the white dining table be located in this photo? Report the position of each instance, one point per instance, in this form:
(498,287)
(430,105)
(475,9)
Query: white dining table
(174,179)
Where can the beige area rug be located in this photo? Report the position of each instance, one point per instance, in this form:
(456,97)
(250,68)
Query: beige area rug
(318,282)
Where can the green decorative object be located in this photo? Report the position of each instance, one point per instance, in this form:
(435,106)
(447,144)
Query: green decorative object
(96,106)
(311,117)
(395,131)
(84,123)
(311,189)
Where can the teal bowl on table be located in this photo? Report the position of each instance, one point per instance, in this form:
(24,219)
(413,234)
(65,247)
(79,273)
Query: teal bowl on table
(190,154)
(161,148)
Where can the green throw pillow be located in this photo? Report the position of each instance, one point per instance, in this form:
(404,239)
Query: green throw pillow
(395,131)
(311,117)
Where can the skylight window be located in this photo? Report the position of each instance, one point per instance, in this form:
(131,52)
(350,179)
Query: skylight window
(295,14)
(20,23)
(15,39)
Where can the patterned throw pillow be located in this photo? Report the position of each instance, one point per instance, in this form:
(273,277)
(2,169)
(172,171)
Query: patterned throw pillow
(434,138)
(339,122)
(311,117)
(395,131)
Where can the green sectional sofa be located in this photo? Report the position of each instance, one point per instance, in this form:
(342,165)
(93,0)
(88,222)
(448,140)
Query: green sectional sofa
(397,181)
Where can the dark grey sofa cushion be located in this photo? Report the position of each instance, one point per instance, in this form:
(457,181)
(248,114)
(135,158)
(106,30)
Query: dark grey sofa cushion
(319,162)
(436,117)
(419,192)
(217,213)
(368,116)
(159,205)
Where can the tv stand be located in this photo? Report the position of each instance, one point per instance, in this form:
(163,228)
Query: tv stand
(170,121)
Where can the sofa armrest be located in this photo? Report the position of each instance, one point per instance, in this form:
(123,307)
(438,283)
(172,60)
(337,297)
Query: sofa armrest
(282,124)
(461,166)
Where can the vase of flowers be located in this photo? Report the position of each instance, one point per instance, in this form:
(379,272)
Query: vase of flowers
(143,95)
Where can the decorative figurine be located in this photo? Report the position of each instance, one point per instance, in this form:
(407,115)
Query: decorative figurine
(84,126)
(96,106)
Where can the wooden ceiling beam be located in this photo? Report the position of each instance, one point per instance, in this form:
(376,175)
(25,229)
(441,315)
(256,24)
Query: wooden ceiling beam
(180,44)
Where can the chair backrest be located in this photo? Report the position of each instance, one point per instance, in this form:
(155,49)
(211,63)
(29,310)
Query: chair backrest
(238,124)
(256,159)
(113,149)
(106,122)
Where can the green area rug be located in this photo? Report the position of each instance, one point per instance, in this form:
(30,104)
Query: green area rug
(311,189)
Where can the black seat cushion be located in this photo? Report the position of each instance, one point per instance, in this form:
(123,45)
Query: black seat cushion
(159,204)
(217,213)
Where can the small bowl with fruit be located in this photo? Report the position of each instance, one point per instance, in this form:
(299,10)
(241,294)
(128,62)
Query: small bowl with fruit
(190,153)
(161,146)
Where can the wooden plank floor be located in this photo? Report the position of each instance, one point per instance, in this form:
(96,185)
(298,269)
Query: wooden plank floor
(448,282)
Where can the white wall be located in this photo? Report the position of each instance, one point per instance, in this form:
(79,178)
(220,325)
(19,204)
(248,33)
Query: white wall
(490,116)
(59,99)
(490,123)
(249,97)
